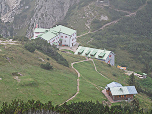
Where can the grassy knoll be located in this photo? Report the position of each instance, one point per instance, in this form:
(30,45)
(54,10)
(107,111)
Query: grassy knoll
(87,90)
(118,75)
(111,72)
(56,85)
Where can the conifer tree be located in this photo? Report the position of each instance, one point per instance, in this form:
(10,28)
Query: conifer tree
(131,80)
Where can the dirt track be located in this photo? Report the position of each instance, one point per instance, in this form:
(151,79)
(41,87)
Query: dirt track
(78,80)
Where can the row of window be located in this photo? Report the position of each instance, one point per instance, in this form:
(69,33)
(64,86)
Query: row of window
(65,37)
(121,96)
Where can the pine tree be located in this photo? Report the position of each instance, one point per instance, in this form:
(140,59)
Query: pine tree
(131,80)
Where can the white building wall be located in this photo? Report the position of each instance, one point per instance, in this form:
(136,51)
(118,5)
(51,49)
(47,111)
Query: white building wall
(55,39)
(73,39)
(36,34)
(65,39)
(111,59)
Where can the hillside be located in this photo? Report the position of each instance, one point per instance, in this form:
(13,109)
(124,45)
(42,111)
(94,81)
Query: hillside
(123,28)
(57,85)
(119,27)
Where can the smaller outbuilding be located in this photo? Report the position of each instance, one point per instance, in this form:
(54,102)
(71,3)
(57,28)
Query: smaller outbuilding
(118,92)
(103,55)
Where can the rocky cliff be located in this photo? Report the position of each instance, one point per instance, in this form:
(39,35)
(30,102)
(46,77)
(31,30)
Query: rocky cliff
(27,13)
(48,12)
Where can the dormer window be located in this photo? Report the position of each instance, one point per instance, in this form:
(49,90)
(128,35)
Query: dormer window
(101,55)
(80,51)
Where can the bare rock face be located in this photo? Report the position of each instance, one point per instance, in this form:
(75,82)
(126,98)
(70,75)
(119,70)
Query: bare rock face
(8,9)
(48,12)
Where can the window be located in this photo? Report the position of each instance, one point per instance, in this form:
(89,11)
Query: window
(65,36)
(119,96)
(61,36)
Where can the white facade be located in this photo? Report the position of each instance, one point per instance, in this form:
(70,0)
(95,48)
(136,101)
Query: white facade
(110,59)
(58,35)
(54,40)
(36,34)
(103,55)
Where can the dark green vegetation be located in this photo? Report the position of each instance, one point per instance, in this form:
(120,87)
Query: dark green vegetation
(47,49)
(127,5)
(130,38)
(56,85)
(46,66)
(87,107)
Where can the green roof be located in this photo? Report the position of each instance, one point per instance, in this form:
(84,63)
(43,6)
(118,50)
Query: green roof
(64,30)
(92,52)
(80,51)
(40,30)
(49,35)
(124,90)
(53,32)
(101,54)
(88,52)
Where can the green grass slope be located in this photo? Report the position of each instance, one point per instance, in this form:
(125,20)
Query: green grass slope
(36,83)
(57,85)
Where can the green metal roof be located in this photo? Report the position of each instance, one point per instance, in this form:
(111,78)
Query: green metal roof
(53,32)
(88,52)
(124,90)
(80,51)
(40,30)
(94,52)
(39,35)
(49,35)
(101,54)
(64,30)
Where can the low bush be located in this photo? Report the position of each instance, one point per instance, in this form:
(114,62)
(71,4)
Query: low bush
(46,66)
(30,47)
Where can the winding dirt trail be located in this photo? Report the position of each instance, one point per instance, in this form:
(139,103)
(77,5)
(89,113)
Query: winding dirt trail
(78,80)
(129,14)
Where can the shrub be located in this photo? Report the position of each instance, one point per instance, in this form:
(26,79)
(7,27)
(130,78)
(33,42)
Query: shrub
(30,47)
(20,38)
(46,66)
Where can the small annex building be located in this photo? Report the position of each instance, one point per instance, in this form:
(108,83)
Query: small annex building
(118,92)
(58,35)
(103,55)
